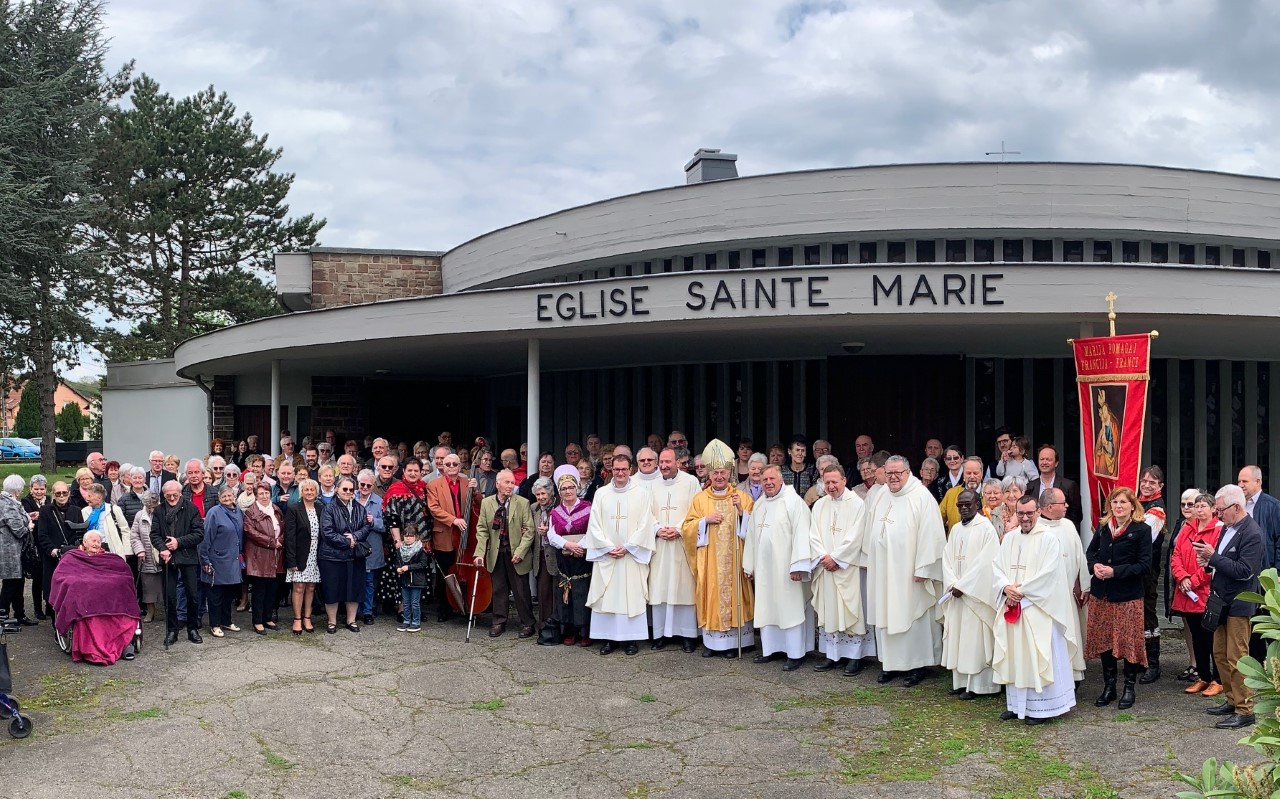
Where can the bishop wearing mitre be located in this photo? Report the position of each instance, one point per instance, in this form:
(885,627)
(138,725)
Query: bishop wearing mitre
(1053,511)
(1035,641)
(619,543)
(776,559)
(968,605)
(904,561)
(713,533)
(839,575)
(671,584)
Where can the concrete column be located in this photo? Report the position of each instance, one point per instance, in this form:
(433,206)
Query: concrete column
(534,422)
(273,446)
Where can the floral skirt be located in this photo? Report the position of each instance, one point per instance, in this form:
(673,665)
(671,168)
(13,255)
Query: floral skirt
(1116,627)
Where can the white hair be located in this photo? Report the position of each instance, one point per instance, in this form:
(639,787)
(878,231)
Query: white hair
(13,484)
(155,453)
(1190,494)
(198,463)
(231,469)
(758,457)
(1229,494)
(216,460)
(906,464)
(126,468)
(824,461)
(136,470)
(1014,481)
(365,473)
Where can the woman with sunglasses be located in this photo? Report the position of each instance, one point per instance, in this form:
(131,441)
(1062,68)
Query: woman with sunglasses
(1186,505)
(344,534)
(1192,592)
(377,590)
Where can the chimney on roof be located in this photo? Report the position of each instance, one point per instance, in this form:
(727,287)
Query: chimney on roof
(710,164)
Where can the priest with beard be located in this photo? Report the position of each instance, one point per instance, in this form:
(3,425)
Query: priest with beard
(840,575)
(1053,511)
(775,558)
(671,584)
(968,605)
(904,560)
(1035,638)
(713,532)
(619,544)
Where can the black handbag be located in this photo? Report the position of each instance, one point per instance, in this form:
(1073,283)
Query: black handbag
(1215,608)
(30,555)
(362,550)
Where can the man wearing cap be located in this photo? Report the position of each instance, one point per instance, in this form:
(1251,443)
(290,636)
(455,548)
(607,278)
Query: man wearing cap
(713,532)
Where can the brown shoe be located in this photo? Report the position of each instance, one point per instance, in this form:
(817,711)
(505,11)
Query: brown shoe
(1196,687)
(526,632)
(1214,689)
(496,630)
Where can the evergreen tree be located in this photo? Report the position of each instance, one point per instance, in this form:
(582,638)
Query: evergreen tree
(27,422)
(70,422)
(54,97)
(193,214)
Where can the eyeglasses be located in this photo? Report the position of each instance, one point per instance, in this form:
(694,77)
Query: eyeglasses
(346,488)
(893,474)
(366,485)
(647,460)
(385,466)
(62,493)
(1188,504)
(1024,514)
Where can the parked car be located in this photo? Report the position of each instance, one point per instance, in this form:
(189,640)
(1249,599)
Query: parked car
(18,448)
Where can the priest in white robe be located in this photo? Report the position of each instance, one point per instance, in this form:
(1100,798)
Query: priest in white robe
(904,561)
(968,606)
(619,543)
(1035,640)
(671,583)
(1053,510)
(839,576)
(647,471)
(775,557)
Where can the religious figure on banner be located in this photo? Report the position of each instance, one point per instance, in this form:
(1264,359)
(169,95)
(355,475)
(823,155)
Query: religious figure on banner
(1106,444)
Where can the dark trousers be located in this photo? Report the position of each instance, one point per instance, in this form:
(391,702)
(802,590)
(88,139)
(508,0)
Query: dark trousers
(11,597)
(1202,646)
(221,599)
(505,581)
(548,585)
(190,586)
(1151,586)
(264,598)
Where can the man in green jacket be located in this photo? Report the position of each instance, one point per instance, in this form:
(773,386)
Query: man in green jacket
(504,542)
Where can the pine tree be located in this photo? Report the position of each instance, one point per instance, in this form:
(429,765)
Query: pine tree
(193,214)
(70,422)
(27,422)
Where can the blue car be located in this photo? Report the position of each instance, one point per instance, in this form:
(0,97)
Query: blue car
(18,448)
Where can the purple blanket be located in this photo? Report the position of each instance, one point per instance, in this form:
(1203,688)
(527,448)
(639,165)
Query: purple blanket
(91,585)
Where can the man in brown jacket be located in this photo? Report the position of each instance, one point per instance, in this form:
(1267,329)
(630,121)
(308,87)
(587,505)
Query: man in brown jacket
(448,506)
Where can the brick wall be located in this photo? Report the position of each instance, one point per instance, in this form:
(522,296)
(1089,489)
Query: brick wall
(338,404)
(350,278)
(224,408)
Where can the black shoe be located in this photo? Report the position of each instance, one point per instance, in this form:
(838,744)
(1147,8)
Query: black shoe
(792,664)
(1235,721)
(825,665)
(632,648)
(368,620)
(731,654)
(658,644)
(40,616)
(194,637)
(129,653)
(915,677)
(967,696)
(1127,696)
(170,638)
(709,653)
(26,622)
(1225,709)
(1008,715)
(762,658)
(606,647)
(1108,694)
(688,645)
(1031,722)
(886,676)
(854,666)
(1153,661)
(956,691)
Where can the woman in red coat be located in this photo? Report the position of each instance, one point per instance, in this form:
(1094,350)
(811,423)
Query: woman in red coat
(1192,592)
(263,555)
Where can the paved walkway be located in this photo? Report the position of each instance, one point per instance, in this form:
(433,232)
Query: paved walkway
(387,714)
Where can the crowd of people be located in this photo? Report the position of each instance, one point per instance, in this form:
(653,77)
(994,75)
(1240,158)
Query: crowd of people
(984,569)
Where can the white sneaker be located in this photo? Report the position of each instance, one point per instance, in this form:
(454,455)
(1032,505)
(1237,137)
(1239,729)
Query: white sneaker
(403,628)
(414,629)
(233,628)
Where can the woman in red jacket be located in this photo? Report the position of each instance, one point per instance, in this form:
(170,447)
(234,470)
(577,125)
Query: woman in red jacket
(1192,591)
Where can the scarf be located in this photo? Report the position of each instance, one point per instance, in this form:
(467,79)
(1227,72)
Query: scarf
(95,517)
(407,551)
(402,488)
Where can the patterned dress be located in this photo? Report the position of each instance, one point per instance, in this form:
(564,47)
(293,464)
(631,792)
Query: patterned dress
(311,574)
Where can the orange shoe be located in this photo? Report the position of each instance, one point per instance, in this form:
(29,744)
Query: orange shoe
(1214,689)
(1197,686)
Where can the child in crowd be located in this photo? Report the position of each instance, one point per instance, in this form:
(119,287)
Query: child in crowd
(411,564)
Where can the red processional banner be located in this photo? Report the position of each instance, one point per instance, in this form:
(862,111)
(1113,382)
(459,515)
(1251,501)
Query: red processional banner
(1112,375)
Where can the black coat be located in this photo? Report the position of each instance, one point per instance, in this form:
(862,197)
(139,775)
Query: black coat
(335,522)
(419,568)
(187,527)
(130,504)
(1070,489)
(54,531)
(165,476)
(297,535)
(1129,555)
(1236,567)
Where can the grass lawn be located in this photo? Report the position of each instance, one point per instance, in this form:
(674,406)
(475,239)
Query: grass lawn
(27,470)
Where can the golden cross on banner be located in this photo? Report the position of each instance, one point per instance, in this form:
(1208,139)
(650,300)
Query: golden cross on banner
(1111,310)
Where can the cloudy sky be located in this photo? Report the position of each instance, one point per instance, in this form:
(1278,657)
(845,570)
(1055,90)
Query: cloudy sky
(421,124)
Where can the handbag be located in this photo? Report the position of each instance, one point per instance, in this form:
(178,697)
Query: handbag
(1214,608)
(30,555)
(362,550)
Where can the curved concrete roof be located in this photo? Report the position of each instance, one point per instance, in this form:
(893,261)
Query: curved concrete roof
(973,197)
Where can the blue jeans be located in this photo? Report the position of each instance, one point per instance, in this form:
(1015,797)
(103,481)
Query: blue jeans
(366,604)
(412,599)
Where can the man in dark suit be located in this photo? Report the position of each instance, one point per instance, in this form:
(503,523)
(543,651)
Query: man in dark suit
(1235,563)
(157,475)
(1265,510)
(1047,459)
